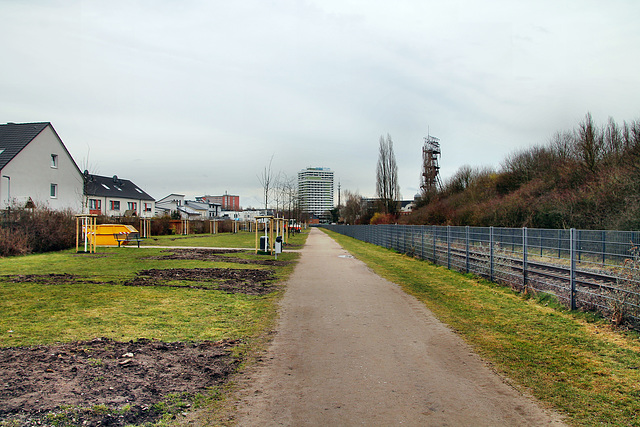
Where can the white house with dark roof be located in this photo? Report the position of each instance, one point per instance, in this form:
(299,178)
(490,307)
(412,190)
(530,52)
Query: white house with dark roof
(113,196)
(169,204)
(35,165)
(187,209)
(207,210)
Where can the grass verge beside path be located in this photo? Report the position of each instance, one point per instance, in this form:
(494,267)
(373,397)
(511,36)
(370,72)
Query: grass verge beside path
(572,361)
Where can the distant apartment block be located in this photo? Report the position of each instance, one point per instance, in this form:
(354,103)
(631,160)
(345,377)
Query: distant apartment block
(226,201)
(315,189)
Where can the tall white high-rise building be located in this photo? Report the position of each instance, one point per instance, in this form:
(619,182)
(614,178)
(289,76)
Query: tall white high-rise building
(315,189)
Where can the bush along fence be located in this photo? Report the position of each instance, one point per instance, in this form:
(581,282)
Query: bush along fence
(584,269)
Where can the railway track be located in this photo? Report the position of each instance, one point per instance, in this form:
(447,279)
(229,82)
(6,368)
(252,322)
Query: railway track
(509,266)
(608,292)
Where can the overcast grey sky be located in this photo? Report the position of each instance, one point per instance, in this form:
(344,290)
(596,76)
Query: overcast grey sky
(194,97)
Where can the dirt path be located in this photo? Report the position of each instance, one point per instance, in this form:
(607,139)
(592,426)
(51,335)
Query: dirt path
(353,349)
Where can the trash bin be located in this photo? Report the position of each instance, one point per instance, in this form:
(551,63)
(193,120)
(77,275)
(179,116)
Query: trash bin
(278,247)
(264,243)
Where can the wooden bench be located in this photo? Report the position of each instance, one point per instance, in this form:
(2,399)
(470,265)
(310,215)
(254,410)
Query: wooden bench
(124,238)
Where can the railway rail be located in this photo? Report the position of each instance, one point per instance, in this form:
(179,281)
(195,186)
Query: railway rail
(578,275)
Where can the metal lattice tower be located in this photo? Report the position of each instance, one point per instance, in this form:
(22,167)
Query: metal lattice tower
(430,181)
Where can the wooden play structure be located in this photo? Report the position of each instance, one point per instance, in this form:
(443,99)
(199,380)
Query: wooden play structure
(145,227)
(86,233)
(271,226)
(266,241)
(89,234)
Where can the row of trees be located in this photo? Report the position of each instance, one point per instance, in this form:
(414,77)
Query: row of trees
(384,209)
(587,177)
(280,193)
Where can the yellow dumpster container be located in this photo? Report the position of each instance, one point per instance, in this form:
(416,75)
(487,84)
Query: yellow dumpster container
(105,232)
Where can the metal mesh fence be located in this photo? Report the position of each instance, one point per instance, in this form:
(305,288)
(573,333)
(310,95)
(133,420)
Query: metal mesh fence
(584,269)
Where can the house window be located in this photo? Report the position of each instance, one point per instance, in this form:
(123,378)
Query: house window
(147,207)
(95,204)
(115,205)
(54,191)
(54,160)
(132,206)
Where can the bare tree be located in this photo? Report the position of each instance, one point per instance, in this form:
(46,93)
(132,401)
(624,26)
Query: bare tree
(561,145)
(289,195)
(266,181)
(613,142)
(387,187)
(589,144)
(284,194)
(353,208)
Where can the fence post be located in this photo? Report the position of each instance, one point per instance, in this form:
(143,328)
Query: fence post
(491,253)
(386,238)
(467,248)
(604,247)
(572,272)
(524,257)
(540,240)
(396,233)
(449,247)
(422,242)
(579,246)
(433,233)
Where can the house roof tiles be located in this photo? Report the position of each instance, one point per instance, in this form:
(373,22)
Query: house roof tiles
(102,186)
(15,136)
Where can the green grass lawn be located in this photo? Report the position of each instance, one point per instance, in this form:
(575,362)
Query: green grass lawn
(98,305)
(95,302)
(243,239)
(574,362)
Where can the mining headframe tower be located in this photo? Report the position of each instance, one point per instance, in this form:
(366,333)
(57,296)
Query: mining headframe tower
(430,181)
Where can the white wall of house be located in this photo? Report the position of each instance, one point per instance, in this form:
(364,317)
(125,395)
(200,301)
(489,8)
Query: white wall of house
(112,206)
(248,215)
(35,174)
(170,203)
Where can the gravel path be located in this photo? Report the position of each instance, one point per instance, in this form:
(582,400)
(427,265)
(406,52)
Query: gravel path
(352,349)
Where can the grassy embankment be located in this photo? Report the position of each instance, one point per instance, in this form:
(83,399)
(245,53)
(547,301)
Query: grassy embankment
(574,362)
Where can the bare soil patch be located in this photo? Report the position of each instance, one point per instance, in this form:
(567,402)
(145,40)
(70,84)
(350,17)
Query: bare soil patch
(47,279)
(215,255)
(107,383)
(246,281)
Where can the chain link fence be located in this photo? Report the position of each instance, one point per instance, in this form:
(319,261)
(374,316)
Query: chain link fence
(585,269)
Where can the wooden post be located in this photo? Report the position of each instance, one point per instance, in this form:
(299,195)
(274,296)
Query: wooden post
(271,237)
(269,222)
(86,226)
(145,227)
